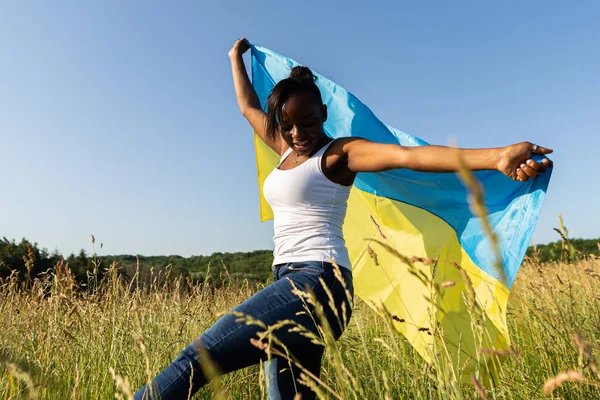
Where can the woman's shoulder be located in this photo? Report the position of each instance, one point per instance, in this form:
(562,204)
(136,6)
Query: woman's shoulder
(341,144)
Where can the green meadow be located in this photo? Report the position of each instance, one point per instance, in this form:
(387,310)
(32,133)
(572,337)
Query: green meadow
(64,340)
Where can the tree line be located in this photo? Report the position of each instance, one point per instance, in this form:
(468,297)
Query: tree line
(29,261)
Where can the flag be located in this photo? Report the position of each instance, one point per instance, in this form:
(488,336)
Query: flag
(399,221)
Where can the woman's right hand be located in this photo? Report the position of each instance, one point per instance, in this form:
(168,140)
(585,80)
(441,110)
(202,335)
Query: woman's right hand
(516,162)
(239,47)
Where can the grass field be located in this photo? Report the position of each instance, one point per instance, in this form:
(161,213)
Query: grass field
(59,342)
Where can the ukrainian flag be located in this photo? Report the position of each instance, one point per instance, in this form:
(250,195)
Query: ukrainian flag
(450,309)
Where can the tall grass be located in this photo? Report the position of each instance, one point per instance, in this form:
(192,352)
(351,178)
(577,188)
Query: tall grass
(60,342)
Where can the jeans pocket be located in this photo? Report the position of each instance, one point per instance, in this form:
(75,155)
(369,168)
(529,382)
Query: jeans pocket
(311,267)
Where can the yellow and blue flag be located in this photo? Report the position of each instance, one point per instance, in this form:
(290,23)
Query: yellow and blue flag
(453,310)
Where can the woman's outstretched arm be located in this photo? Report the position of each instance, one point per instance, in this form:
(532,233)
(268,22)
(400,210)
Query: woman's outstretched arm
(246,95)
(514,161)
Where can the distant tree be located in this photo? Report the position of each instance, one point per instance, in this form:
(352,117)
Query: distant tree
(565,250)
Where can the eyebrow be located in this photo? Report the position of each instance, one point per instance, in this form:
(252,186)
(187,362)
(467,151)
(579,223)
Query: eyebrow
(305,116)
(285,118)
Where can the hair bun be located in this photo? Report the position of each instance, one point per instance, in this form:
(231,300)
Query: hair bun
(302,74)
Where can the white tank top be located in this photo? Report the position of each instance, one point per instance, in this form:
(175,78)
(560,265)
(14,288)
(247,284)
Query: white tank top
(309,212)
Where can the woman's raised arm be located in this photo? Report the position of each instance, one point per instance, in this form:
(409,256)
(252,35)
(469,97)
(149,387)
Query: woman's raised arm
(246,95)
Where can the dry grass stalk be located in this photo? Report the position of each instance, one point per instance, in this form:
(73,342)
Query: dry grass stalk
(387,394)
(447,284)
(191,382)
(585,353)
(479,388)
(479,209)
(77,380)
(497,352)
(372,254)
(471,295)
(15,371)
(378,227)
(122,385)
(553,383)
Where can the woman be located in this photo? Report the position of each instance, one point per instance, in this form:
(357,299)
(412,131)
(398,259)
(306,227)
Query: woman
(308,192)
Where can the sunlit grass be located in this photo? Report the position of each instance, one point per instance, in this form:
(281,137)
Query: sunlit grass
(59,342)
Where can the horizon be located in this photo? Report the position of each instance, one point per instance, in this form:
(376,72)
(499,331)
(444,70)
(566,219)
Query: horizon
(95,253)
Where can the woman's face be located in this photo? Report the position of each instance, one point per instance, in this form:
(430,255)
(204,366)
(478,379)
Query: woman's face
(301,122)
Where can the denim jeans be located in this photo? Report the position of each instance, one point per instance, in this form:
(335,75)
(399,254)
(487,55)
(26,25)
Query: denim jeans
(227,343)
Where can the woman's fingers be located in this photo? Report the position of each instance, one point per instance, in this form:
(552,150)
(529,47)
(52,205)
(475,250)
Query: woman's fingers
(540,150)
(530,172)
(536,166)
(547,162)
(532,169)
(240,47)
(244,44)
(521,176)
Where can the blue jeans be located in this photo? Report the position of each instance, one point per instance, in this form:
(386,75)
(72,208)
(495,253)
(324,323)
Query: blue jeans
(227,343)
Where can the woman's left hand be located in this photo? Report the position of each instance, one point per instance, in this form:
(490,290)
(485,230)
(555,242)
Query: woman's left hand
(516,163)
(239,47)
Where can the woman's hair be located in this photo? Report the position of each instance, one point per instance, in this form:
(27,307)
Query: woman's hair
(301,79)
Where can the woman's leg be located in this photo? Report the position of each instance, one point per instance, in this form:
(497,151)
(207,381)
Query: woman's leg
(281,374)
(227,342)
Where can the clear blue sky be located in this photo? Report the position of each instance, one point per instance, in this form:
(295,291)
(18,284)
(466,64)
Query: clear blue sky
(118,118)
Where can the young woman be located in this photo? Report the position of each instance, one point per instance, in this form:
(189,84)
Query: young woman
(308,192)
